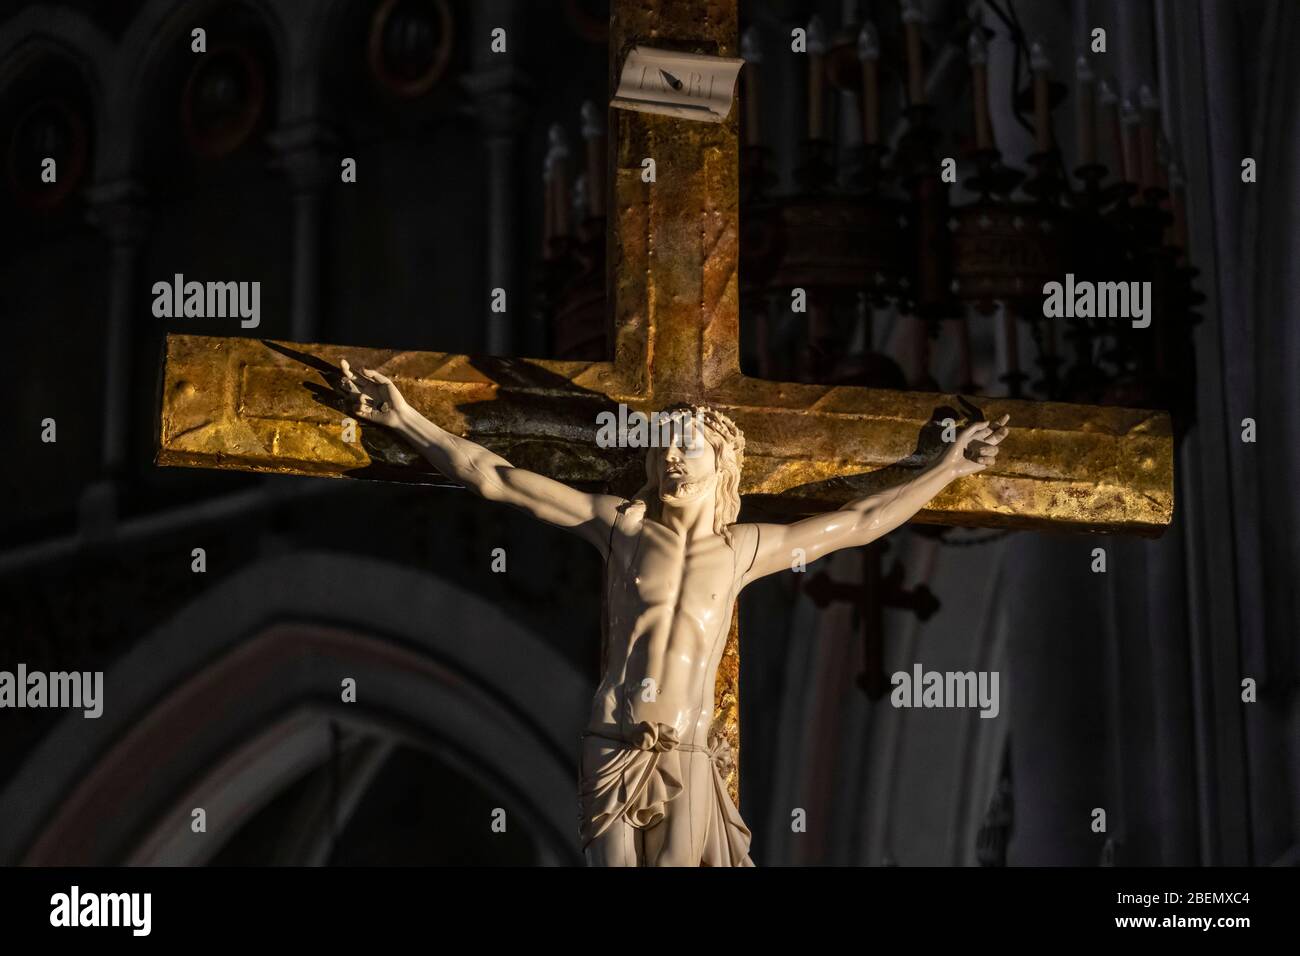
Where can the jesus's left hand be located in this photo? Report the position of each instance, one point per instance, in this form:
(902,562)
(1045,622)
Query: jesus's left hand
(976,448)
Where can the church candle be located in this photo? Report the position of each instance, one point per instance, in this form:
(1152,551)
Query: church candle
(1085,119)
(1109,127)
(1129,119)
(978,54)
(912,18)
(1042,107)
(1012,340)
(561,204)
(1147,135)
(869,55)
(548,212)
(816,77)
(593,131)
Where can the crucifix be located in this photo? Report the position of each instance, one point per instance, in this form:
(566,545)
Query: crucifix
(844,452)
(869,598)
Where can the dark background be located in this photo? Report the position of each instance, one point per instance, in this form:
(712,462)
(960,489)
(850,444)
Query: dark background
(1120,691)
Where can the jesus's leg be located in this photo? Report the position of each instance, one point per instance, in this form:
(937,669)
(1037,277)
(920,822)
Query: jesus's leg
(678,840)
(619,845)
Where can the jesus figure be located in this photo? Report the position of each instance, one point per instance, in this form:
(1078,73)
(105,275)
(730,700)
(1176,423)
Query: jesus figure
(651,788)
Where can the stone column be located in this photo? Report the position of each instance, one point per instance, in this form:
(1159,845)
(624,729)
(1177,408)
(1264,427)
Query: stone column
(502,112)
(118,210)
(307,155)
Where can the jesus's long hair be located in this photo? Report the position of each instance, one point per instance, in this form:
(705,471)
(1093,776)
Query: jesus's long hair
(728,444)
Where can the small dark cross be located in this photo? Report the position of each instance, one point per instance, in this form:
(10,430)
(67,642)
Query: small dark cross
(869,598)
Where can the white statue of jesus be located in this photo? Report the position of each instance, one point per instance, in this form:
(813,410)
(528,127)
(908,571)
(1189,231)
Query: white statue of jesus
(651,790)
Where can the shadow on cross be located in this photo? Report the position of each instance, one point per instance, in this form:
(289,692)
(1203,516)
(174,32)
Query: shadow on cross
(524,386)
(829,494)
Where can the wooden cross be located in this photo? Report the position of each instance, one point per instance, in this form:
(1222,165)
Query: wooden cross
(673,294)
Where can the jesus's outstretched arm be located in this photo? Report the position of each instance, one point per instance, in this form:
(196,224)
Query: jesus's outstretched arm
(374,398)
(863,521)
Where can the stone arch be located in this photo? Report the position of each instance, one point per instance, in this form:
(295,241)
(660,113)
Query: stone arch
(69,39)
(144,48)
(254,657)
(61,33)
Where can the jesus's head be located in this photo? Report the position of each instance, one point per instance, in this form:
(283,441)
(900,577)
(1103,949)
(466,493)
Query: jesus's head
(703,457)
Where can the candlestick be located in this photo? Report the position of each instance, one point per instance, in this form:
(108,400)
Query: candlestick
(869,55)
(593,131)
(1085,112)
(912,20)
(977,51)
(1040,64)
(557,176)
(752,53)
(581,208)
(816,76)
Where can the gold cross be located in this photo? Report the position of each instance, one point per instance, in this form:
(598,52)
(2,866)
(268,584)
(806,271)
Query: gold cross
(673,288)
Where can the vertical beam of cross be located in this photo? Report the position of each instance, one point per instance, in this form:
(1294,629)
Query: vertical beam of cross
(674,243)
(674,250)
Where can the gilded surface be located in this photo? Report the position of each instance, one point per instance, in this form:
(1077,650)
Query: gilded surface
(726,704)
(252,405)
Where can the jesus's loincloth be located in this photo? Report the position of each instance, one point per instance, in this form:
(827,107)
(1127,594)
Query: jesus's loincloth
(635,780)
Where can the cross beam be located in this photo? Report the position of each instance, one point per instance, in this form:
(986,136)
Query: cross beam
(245,404)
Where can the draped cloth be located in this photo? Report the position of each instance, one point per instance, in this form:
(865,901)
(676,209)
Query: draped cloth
(635,779)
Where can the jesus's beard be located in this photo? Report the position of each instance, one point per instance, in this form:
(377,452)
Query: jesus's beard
(682,492)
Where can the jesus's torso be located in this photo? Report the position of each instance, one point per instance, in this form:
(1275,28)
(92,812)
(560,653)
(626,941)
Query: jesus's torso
(669,604)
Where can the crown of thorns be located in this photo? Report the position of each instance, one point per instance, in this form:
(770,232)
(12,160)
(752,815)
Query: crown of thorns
(715,420)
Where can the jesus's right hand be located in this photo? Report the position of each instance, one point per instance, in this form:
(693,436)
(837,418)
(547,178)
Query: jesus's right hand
(373,397)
